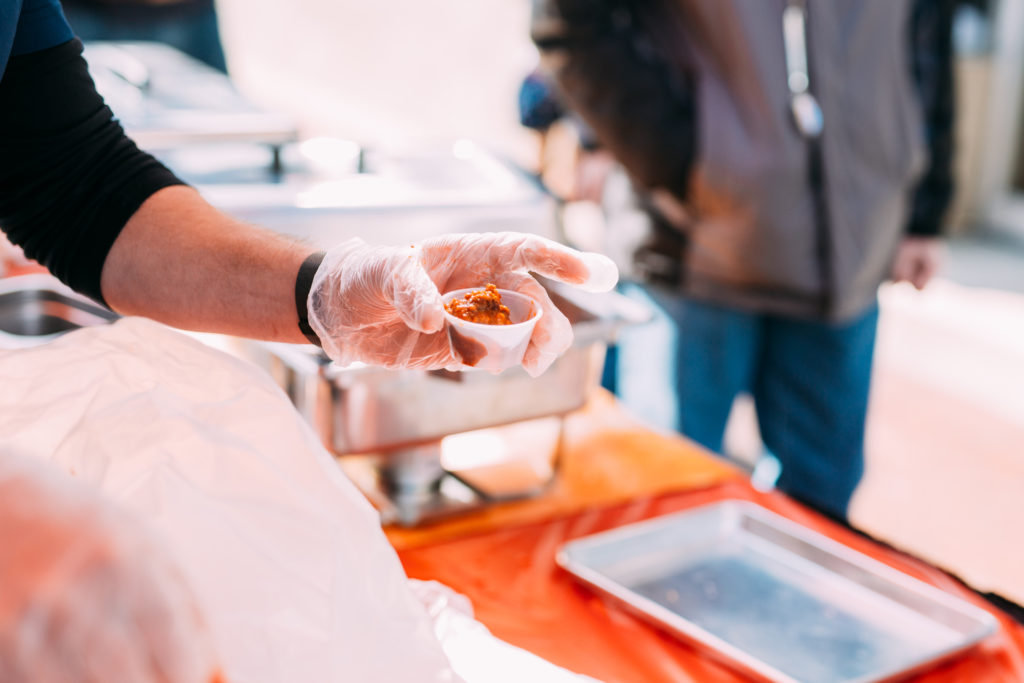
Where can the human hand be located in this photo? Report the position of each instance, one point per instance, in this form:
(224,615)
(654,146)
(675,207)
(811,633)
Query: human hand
(382,305)
(87,597)
(918,260)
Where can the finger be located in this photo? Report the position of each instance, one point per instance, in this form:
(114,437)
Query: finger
(932,264)
(587,270)
(415,296)
(537,362)
(923,272)
(915,272)
(433,352)
(900,269)
(602,273)
(552,335)
(394,345)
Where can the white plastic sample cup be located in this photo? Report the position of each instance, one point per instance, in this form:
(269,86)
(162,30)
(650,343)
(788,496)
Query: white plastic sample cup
(493,347)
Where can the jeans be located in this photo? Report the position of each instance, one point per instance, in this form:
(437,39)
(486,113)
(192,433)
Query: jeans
(809,380)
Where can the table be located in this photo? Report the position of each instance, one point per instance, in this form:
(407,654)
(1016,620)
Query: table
(614,472)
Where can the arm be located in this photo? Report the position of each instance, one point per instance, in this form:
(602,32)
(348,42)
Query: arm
(180,261)
(920,254)
(931,45)
(639,108)
(113,223)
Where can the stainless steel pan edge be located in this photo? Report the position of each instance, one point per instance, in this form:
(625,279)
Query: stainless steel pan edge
(665,619)
(651,612)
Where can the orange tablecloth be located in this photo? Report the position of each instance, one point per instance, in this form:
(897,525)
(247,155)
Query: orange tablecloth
(503,560)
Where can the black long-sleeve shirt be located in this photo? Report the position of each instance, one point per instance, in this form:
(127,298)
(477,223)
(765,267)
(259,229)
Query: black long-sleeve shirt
(69,176)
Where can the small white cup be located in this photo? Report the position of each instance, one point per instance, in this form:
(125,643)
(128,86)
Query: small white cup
(493,347)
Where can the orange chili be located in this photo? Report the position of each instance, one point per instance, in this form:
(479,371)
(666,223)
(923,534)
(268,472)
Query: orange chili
(481,306)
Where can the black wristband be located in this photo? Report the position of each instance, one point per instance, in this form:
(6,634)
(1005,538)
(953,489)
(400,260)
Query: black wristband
(303,283)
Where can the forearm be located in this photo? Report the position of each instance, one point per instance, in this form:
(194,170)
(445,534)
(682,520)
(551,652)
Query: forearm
(180,261)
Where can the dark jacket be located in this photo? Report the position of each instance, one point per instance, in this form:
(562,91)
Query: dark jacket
(691,96)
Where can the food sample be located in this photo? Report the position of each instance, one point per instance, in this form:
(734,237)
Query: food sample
(480,306)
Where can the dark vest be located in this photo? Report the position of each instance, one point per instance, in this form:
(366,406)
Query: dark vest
(757,239)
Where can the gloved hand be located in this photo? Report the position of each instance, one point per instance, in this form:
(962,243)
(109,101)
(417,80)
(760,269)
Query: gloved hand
(382,305)
(86,596)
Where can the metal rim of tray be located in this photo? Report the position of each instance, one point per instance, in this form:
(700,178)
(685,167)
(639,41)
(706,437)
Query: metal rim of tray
(733,656)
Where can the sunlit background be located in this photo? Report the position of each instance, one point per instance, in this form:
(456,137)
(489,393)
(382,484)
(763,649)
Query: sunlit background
(387,71)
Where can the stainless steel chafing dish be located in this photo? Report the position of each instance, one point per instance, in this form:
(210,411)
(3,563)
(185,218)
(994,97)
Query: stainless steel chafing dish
(166,99)
(251,164)
(35,309)
(386,426)
(325,190)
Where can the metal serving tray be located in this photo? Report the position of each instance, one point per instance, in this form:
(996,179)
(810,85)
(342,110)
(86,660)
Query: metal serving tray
(774,599)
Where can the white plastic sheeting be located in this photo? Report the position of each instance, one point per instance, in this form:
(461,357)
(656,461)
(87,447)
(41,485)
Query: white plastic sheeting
(87,596)
(285,556)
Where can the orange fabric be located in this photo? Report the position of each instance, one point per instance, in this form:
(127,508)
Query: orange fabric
(613,472)
(519,593)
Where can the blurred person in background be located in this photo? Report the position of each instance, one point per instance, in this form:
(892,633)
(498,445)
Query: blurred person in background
(188,25)
(572,165)
(786,175)
(540,108)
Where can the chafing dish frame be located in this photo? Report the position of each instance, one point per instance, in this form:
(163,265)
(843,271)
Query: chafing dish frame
(396,419)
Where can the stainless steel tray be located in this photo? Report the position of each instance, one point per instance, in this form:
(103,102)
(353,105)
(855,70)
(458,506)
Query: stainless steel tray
(166,99)
(36,309)
(774,599)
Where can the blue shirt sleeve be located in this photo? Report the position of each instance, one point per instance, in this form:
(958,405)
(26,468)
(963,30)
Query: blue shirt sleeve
(40,26)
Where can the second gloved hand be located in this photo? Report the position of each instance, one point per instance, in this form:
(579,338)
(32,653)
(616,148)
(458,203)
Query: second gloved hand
(88,595)
(382,305)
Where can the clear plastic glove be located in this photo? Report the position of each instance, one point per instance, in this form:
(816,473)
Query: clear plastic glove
(382,305)
(86,596)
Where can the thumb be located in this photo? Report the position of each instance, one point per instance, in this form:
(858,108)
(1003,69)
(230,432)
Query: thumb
(589,271)
(415,296)
(602,273)
(504,252)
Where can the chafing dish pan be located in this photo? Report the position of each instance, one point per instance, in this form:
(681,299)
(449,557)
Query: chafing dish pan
(364,409)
